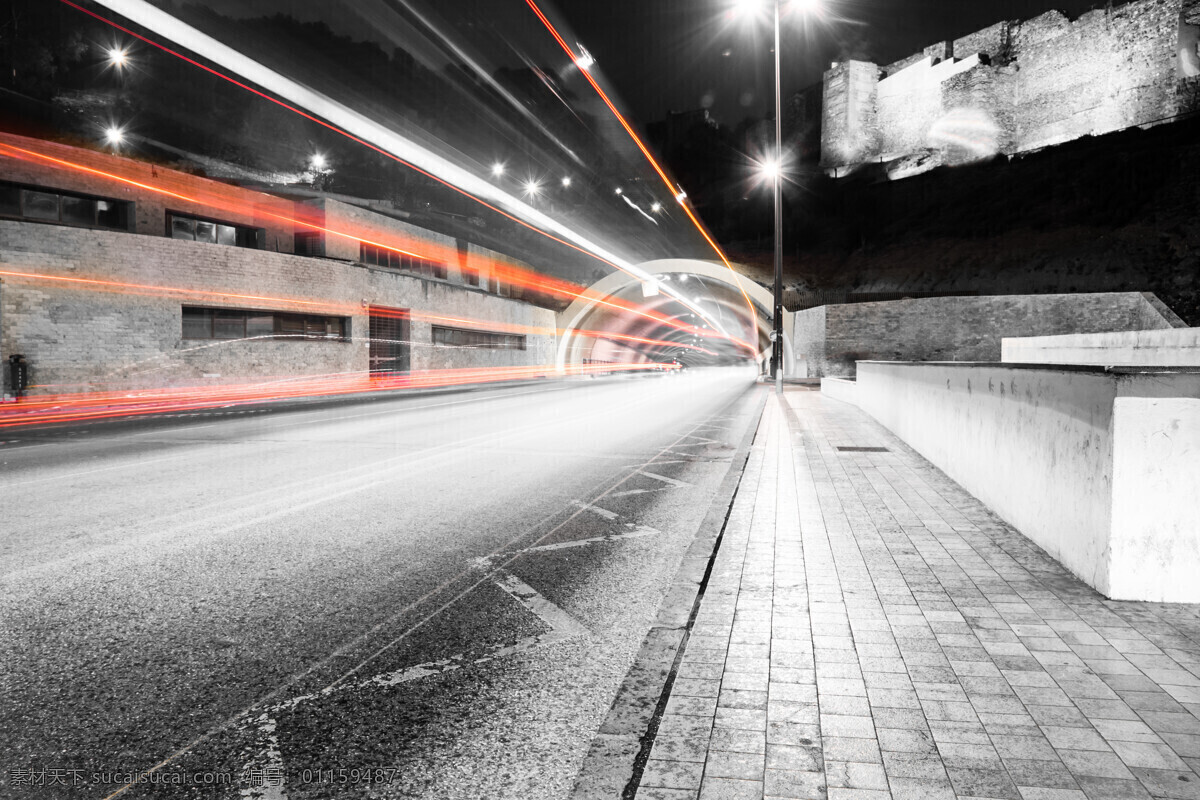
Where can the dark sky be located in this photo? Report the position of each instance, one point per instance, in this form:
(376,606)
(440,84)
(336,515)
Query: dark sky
(668,54)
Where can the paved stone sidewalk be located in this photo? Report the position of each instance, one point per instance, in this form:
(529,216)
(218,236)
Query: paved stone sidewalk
(871,631)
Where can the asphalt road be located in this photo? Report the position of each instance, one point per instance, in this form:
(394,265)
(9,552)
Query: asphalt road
(416,597)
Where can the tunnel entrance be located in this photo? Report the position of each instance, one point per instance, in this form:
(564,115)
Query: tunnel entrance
(598,325)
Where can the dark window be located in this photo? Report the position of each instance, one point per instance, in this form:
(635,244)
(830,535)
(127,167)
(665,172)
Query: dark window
(310,243)
(181,226)
(197,323)
(481,340)
(41,205)
(383,257)
(236,323)
(71,209)
(78,210)
(229,324)
(10,200)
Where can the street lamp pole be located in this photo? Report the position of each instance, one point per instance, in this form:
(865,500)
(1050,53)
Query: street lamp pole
(777,345)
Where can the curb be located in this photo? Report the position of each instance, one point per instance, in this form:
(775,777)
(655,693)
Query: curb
(618,754)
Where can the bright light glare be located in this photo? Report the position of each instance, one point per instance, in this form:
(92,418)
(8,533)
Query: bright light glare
(679,198)
(497,169)
(769,171)
(566,182)
(318,161)
(746,8)
(118,57)
(806,6)
(656,207)
(620,190)
(584,61)
(114,135)
(532,188)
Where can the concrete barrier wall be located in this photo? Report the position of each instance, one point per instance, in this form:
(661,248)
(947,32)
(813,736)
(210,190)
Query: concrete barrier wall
(833,338)
(842,389)
(1098,468)
(1174,347)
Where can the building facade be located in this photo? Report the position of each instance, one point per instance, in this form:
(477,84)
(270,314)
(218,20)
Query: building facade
(116,274)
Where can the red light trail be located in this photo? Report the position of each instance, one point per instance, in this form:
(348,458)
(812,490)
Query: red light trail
(645,150)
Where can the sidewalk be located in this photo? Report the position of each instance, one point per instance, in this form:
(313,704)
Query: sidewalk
(871,631)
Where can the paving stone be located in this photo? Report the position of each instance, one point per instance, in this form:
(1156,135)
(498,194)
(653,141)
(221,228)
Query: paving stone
(672,775)
(870,630)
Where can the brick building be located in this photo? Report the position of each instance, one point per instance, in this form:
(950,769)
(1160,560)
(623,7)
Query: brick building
(119,274)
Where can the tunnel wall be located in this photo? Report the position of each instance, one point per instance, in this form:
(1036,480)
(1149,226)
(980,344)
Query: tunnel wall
(833,338)
(79,336)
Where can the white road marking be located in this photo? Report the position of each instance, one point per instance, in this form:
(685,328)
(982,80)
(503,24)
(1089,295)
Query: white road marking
(265,757)
(609,515)
(671,481)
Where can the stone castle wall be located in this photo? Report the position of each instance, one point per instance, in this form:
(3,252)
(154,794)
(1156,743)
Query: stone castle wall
(1014,87)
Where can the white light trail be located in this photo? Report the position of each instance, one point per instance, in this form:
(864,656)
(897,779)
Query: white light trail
(147,16)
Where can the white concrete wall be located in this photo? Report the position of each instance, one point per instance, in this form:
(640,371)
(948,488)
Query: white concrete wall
(1173,347)
(1066,457)
(1156,495)
(843,389)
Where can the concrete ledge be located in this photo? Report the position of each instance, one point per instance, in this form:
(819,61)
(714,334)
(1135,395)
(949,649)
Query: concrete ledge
(844,389)
(1101,468)
(1172,347)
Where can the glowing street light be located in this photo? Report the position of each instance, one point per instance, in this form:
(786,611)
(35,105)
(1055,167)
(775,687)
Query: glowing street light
(532,188)
(118,57)
(772,170)
(656,207)
(318,162)
(584,60)
(566,182)
(114,136)
(497,170)
(620,190)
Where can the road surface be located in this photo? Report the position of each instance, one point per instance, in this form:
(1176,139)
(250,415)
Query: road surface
(428,596)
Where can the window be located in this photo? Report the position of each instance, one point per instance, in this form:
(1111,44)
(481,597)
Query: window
(194,229)
(236,323)
(484,340)
(383,257)
(43,205)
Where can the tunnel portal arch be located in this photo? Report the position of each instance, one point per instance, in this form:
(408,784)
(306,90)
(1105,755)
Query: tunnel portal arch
(575,314)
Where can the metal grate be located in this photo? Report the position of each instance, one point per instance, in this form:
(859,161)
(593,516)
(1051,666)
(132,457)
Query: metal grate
(863,449)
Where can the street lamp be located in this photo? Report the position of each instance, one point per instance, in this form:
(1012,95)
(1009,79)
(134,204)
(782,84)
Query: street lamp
(497,170)
(114,136)
(774,172)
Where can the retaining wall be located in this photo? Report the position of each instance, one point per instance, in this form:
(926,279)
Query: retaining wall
(1099,468)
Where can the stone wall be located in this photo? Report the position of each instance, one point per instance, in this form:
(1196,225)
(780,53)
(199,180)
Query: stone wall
(833,338)
(96,309)
(1014,87)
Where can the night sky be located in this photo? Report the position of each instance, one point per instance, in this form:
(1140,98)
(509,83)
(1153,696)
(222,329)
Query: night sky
(669,54)
(661,55)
